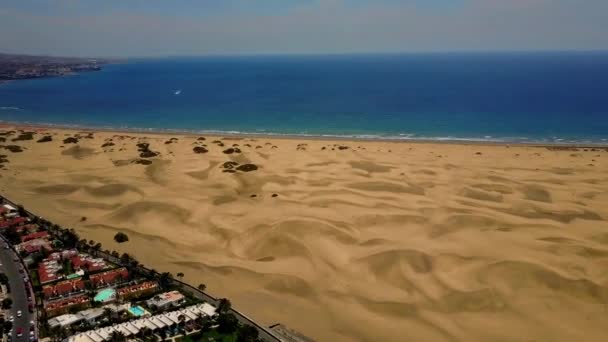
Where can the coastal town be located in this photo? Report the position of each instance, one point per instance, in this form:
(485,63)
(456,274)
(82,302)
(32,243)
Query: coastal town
(20,67)
(57,286)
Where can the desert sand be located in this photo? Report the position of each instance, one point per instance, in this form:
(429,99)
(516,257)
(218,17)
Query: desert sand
(345,240)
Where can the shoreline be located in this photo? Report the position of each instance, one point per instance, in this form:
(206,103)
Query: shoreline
(311,137)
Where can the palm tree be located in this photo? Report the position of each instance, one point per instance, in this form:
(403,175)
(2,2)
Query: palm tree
(117,336)
(224,305)
(108,313)
(97,247)
(164,279)
(182,320)
(247,333)
(202,287)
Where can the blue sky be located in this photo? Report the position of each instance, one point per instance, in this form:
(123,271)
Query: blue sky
(202,27)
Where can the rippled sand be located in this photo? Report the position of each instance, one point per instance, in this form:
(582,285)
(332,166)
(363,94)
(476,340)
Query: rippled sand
(378,242)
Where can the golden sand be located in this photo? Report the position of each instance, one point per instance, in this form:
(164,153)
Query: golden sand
(380,241)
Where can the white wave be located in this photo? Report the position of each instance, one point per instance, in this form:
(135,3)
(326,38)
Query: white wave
(305,134)
(10,108)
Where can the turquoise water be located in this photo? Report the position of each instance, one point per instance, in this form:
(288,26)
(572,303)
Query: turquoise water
(550,97)
(105,295)
(137,311)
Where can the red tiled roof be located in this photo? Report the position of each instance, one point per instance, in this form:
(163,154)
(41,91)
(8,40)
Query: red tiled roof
(32,236)
(137,288)
(35,245)
(63,303)
(12,222)
(109,276)
(44,276)
(63,288)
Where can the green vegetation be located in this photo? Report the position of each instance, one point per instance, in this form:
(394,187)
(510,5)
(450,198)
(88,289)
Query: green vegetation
(8,325)
(224,305)
(3,279)
(212,335)
(121,237)
(7,303)
(227,323)
(12,235)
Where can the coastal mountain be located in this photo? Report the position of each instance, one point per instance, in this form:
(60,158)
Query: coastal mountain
(17,67)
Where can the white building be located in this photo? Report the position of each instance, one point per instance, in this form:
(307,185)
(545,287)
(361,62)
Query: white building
(156,322)
(167,299)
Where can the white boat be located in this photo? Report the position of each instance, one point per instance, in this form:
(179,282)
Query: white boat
(177,92)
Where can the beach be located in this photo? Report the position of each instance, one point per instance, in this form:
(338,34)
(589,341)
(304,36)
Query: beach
(343,240)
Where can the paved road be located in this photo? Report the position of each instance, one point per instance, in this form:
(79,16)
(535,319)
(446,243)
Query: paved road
(18,292)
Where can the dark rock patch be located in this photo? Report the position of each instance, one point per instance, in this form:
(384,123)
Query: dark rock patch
(342,148)
(231,150)
(7,133)
(24,136)
(247,167)
(253,196)
(230,165)
(200,149)
(145,152)
(142,161)
(148,154)
(70,140)
(108,144)
(12,148)
(275,195)
(45,138)
(201,139)
(229,171)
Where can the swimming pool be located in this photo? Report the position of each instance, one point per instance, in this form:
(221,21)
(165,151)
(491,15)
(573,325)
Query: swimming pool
(137,311)
(105,295)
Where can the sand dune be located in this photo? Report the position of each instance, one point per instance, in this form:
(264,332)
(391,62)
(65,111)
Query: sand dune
(346,241)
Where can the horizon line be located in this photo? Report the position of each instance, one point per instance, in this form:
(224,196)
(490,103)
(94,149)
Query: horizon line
(326,54)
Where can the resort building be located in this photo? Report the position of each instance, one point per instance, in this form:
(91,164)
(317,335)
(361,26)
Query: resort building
(137,289)
(92,316)
(63,288)
(9,211)
(61,306)
(65,254)
(109,277)
(36,235)
(12,221)
(167,299)
(48,271)
(154,323)
(35,245)
(88,263)
(64,320)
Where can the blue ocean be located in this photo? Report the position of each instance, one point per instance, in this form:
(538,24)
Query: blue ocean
(535,97)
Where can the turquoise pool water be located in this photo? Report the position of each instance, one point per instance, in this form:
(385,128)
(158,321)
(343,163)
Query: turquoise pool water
(105,295)
(137,311)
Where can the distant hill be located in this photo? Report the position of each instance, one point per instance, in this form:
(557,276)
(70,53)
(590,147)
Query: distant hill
(17,67)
